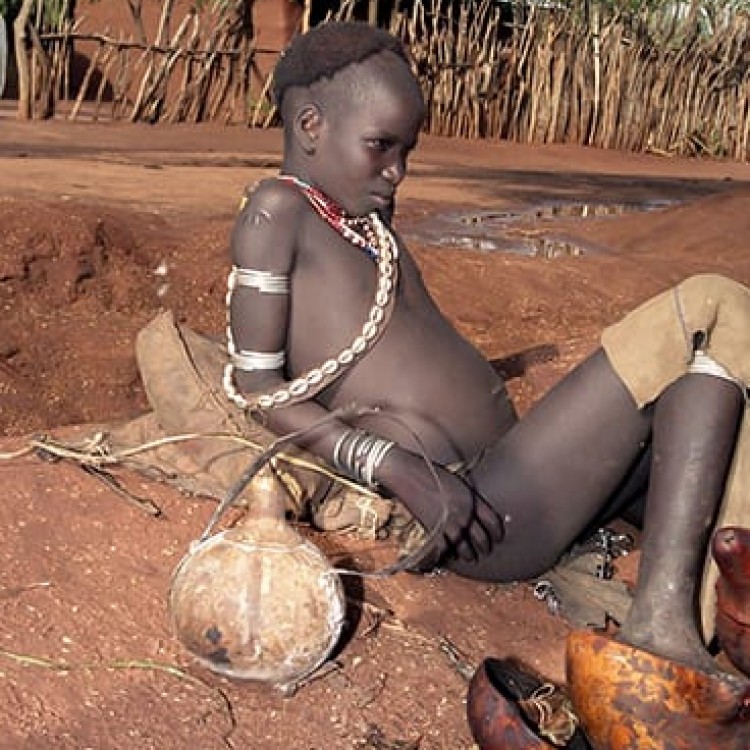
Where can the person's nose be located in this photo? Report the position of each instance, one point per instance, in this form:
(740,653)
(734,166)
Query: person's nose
(395,171)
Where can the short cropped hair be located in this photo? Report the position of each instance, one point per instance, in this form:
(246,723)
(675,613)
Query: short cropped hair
(326,49)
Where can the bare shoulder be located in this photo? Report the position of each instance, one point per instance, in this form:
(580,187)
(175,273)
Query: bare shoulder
(268,223)
(275,196)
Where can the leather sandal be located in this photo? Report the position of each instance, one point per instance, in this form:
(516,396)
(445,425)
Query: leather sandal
(511,708)
(627,698)
(346,510)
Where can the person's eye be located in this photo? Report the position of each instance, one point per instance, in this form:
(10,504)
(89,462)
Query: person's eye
(379,144)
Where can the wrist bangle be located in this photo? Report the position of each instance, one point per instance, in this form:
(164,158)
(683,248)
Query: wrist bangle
(359,454)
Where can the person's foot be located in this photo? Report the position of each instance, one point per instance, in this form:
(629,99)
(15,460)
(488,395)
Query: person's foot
(681,645)
(661,624)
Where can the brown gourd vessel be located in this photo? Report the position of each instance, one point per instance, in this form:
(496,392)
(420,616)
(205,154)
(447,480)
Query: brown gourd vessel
(510,707)
(258,601)
(629,699)
(731,550)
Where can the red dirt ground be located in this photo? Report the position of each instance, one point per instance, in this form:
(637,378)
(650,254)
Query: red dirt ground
(90,216)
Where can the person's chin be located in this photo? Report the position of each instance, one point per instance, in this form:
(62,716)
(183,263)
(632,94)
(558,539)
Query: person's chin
(384,206)
(386,214)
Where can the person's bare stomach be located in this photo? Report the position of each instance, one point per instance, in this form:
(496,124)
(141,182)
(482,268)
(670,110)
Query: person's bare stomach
(441,389)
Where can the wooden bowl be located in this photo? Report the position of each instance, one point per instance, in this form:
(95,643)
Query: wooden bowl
(628,699)
(497,721)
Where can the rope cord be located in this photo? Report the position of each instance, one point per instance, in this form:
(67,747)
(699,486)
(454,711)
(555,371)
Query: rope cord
(346,413)
(96,452)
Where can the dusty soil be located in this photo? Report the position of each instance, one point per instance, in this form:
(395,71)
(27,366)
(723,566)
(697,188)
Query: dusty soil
(102,227)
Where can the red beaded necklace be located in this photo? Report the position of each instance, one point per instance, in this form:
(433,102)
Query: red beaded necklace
(355,229)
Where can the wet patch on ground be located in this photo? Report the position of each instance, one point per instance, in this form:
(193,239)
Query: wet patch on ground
(528,231)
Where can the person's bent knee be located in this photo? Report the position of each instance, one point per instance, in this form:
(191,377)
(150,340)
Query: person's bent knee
(519,560)
(715,286)
(714,312)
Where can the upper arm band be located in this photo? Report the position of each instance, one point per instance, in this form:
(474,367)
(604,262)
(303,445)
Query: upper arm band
(265,282)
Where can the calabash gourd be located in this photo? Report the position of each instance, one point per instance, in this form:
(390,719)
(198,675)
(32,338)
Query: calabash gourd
(258,601)
(731,550)
(627,698)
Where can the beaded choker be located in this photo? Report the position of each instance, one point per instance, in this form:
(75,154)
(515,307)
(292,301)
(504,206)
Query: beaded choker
(358,230)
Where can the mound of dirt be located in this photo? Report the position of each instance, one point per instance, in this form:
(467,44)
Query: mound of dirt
(76,284)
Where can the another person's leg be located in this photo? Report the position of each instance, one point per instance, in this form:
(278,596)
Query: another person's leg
(696,421)
(557,468)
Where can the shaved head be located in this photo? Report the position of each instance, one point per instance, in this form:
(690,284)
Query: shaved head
(328,50)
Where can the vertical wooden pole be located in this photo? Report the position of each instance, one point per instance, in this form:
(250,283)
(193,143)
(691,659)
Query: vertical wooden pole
(597,52)
(306,16)
(22,61)
(3,54)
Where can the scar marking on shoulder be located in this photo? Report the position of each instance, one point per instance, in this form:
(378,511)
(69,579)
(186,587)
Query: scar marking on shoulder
(260,216)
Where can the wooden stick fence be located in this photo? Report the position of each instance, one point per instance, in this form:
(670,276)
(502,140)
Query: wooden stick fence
(204,69)
(561,78)
(604,80)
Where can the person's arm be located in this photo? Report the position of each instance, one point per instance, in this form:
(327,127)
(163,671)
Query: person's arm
(263,253)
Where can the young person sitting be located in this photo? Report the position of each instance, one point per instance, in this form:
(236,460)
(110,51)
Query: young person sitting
(327,308)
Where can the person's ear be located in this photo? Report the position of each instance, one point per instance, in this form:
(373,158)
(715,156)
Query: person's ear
(307,125)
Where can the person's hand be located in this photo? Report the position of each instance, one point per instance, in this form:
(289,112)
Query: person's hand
(469,526)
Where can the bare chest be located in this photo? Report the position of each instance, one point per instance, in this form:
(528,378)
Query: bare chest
(420,367)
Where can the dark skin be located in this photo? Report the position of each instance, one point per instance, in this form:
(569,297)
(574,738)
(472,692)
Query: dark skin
(541,481)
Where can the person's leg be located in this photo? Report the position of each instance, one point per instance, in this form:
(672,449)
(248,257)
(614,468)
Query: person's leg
(628,500)
(695,427)
(557,469)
